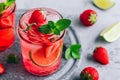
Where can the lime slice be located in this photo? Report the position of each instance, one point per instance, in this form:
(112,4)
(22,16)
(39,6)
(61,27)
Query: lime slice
(104,4)
(111,33)
(38,57)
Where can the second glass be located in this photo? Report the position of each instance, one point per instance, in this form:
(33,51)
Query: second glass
(7,25)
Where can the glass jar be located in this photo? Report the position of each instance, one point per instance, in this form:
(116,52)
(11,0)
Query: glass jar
(41,52)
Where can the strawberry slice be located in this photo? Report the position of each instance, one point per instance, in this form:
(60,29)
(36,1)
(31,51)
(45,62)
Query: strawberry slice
(2,69)
(37,17)
(49,50)
(6,22)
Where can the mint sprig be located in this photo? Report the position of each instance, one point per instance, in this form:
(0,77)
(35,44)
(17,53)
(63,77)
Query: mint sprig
(55,28)
(73,52)
(3,5)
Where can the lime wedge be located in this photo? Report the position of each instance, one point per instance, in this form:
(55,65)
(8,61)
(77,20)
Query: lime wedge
(111,33)
(104,4)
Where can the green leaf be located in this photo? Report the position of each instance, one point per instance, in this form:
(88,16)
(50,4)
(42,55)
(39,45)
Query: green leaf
(75,47)
(56,28)
(2,7)
(12,58)
(45,29)
(57,31)
(9,2)
(51,24)
(68,54)
(62,24)
(75,54)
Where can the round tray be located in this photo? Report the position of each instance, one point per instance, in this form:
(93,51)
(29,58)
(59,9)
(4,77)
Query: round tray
(18,72)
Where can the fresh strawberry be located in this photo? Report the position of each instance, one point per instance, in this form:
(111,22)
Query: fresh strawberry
(89,73)
(6,22)
(88,17)
(37,17)
(100,54)
(2,69)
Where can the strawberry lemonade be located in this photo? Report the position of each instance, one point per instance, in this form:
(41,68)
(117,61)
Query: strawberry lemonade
(41,52)
(7,23)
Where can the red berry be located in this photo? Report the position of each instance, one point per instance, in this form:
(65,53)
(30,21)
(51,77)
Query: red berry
(37,17)
(2,69)
(88,17)
(100,54)
(89,73)
(6,22)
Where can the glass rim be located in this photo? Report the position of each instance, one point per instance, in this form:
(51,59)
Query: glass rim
(36,9)
(21,29)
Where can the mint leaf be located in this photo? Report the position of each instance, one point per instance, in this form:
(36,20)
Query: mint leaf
(51,24)
(68,54)
(45,29)
(55,28)
(2,7)
(62,24)
(12,58)
(75,47)
(9,2)
(75,55)
(57,31)
(73,52)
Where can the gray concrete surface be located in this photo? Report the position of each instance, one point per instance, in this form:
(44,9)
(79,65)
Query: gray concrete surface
(89,36)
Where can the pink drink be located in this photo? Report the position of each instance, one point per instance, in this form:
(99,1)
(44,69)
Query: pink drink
(7,23)
(41,52)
